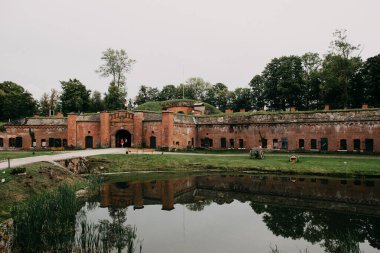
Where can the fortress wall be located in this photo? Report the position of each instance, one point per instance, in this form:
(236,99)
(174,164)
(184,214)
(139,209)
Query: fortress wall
(152,129)
(290,128)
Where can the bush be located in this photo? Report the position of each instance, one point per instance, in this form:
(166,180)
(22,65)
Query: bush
(17,171)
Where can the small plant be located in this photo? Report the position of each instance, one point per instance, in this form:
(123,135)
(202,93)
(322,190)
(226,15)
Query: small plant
(17,171)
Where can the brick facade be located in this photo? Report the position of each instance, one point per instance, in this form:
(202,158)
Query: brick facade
(345,130)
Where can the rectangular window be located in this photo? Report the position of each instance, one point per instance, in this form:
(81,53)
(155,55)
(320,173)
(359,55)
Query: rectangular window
(241,143)
(357,144)
(57,143)
(264,143)
(18,142)
(223,143)
(313,144)
(202,143)
(284,143)
(232,143)
(12,142)
(51,142)
(343,144)
(369,145)
(275,144)
(208,143)
(64,142)
(301,144)
(34,143)
(1,142)
(43,143)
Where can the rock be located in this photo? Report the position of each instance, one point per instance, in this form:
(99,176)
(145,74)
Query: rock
(82,193)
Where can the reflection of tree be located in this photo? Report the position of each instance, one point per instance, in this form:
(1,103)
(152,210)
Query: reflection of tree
(107,235)
(199,205)
(335,232)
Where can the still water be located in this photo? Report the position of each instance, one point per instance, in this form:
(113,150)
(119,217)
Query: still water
(241,213)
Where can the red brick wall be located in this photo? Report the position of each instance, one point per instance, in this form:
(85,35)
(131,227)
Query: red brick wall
(153,128)
(72,129)
(86,128)
(105,128)
(167,129)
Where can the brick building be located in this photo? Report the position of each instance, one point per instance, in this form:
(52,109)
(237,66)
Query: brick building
(183,127)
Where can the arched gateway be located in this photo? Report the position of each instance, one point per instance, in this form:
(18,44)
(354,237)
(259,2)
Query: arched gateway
(123,138)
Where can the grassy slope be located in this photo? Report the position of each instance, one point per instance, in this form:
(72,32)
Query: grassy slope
(39,177)
(273,163)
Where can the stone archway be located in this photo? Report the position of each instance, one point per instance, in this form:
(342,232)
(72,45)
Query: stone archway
(123,138)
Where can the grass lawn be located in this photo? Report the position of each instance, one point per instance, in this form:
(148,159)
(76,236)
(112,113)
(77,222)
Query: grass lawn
(38,177)
(306,165)
(20,154)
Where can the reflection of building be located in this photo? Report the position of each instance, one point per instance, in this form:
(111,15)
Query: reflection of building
(326,193)
(185,126)
(156,191)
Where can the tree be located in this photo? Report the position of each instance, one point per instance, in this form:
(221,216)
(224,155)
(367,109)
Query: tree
(49,102)
(339,69)
(370,76)
(242,99)
(195,88)
(312,64)
(283,82)
(75,97)
(257,92)
(147,94)
(96,102)
(115,98)
(217,96)
(15,102)
(116,64)
(168,92)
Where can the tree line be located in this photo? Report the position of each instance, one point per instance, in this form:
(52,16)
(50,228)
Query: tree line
(340,78)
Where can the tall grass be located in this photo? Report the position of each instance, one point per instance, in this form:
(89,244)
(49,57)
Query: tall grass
(46,222)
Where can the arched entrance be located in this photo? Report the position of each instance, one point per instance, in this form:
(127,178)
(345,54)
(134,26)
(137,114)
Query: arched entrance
(123,138)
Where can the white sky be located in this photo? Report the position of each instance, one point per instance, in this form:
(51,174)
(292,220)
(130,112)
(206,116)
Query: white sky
(45,41)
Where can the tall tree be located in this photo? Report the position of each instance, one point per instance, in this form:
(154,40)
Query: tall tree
(75,97)
(217,96)
(115,98)
(147,94)
(283,78)
(96,102)
(312,65)
(196,88)
(257,93)
(169,92)
(339,69)
(370,76)
(49,102)
(116,64)
(15,102)
(242,99)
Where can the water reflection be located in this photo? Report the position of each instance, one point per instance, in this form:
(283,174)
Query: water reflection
(337,214)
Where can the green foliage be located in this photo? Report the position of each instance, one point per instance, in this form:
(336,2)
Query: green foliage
(370,81)
(15,102)
(116,64)
(18,170)
(46,222)
(75,97)
(147,94)
(96,102)
(115,98)
(49,102)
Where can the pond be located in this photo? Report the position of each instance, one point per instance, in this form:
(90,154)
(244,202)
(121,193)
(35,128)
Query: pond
(241,213)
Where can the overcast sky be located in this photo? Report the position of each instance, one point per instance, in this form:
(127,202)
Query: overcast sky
(43,42)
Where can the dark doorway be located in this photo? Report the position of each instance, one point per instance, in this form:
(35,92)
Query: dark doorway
(89,142)
(123,139)
(153,142)
(18,143)
(368,145)
(324,144)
